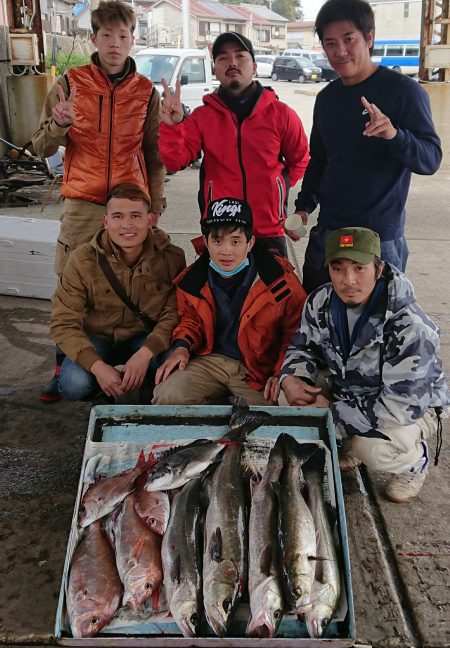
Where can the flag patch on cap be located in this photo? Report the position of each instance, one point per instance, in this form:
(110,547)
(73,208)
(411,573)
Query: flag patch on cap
(346,240)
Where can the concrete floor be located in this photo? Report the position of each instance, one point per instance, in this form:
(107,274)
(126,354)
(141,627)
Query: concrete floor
(400,554)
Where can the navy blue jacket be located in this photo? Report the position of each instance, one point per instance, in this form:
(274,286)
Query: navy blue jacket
(364,181)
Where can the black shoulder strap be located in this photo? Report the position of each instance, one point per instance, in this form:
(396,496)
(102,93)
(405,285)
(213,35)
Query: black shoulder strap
(120,292)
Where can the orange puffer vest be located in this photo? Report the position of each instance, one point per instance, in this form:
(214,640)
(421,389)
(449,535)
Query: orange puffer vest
(104,145)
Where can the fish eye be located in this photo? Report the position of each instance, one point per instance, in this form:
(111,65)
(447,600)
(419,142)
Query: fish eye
(195,619)
(324,623)
(95,620)
(297,592)
(152,521)
(148,586)
(226,605)
(277,614)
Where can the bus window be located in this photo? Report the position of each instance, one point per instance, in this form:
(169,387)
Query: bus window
(378,50)
(394,50)
(412,50)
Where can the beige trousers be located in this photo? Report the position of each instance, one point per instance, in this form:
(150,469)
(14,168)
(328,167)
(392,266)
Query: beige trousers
(80,220)
(402,452)
(207,380)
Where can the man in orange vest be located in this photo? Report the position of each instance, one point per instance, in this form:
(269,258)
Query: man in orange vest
(106,114)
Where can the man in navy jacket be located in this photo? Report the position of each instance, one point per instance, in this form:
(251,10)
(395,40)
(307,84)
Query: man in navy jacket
(372,128)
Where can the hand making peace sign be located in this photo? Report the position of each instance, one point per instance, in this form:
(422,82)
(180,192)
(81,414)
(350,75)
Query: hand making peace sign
(63,112)
(171,107)
(379,125)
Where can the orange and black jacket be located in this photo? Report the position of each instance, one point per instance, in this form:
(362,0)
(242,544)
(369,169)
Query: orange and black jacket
(268,319)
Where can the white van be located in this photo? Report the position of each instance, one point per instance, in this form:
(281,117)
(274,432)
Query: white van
(311,55)
(192,67)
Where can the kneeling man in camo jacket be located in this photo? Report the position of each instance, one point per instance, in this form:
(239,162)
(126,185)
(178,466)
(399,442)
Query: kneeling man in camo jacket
(380,352)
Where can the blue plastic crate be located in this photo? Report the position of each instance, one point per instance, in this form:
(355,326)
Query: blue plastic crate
(113,428)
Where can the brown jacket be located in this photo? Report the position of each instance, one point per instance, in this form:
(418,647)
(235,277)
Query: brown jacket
(114,137)
(84,303)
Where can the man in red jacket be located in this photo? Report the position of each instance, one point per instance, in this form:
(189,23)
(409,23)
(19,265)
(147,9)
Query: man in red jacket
(254,146)
(238,307)
(107,117)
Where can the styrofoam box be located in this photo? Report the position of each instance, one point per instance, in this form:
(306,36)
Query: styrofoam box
(112,428)
(27,256)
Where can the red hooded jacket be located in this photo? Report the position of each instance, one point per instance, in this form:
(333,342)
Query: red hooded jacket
(257,160)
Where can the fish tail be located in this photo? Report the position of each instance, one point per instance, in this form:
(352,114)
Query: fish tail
(243,421)
(291,447)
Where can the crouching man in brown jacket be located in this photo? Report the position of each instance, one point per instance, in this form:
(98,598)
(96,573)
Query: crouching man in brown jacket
(98,328)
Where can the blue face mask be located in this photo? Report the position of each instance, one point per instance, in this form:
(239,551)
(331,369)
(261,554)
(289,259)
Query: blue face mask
(229,273)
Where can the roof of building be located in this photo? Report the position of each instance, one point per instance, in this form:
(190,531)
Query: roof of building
(303,24)
(264,12)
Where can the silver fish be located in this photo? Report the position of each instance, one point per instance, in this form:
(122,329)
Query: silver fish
(152,507)
(226,531)
(295,525)
(326,587)
(190,461)
(181,553)
(264,581)
(94,589)
(138,555)
(101,498)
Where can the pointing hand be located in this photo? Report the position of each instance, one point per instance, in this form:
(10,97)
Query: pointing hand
(63,112)
(379,125)
(171,106)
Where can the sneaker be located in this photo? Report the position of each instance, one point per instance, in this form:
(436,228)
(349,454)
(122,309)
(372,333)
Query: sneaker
(50,393)
(404,487)
(347,461)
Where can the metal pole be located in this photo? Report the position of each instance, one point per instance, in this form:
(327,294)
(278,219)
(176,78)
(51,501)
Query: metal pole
(186,9)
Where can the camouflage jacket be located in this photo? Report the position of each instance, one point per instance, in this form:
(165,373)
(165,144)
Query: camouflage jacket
(393,373)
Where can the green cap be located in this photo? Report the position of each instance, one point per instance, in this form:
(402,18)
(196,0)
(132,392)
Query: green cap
(355,243)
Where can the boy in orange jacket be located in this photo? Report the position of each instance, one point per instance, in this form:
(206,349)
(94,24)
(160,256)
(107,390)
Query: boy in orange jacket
(238,307)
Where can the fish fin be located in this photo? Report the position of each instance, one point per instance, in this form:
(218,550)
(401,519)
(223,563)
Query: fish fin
(265,560)
(141,460)
(302,451)
(215,545)
(243,421)
(175,570)
(155,599)
(250,470)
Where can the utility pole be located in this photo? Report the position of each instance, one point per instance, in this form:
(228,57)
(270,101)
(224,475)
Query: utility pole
(186,11)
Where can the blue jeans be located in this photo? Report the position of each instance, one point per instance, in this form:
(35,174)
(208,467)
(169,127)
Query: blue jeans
(315,274)
(75,383)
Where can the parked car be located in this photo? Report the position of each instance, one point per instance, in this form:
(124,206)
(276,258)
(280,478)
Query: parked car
(191,67)
(328,74)
(264,63)
(287,68)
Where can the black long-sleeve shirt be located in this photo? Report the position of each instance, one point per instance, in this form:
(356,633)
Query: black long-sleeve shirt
(364,181)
